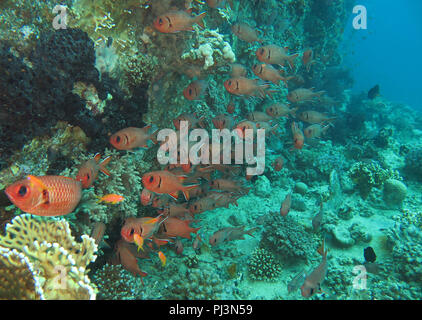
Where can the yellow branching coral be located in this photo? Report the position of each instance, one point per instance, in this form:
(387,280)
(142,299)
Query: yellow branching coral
(17,279)
(59,262)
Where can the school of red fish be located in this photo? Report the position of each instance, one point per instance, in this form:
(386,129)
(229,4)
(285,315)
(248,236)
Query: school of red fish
(180,192)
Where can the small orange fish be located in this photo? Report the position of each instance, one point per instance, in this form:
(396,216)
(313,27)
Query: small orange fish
(163,258)
(131,138)
(176,21)
(242,86)
(45,195)
(273,54)
(166,182)
(245,32)
(268,73)
(111,198)
(285,206)
(195,90)
(139,241)
(303,95)
(278,163)
(298,137)
(89,170)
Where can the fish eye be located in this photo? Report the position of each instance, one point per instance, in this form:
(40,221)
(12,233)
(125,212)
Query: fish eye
(132,231)
(22,191)
(87,176)
(262,51)
(229,83)
(118,139)
(160,21)
(190,92)
(215,240)
(151,179)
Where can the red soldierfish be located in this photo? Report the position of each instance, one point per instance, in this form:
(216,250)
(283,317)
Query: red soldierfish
(166,182)
(176,21)
(242,86)
(195,90)
(279,110)
(230,234)
(268,73)
(314,117)
(298,137)
(131,138)
(45,195)
(315,130)
(174,227)
(245,32)
(314,280)
(303,95)
(273,54)
(89,170)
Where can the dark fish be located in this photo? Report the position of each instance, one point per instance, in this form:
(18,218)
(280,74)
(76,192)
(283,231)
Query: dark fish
(369,254)
(374,92)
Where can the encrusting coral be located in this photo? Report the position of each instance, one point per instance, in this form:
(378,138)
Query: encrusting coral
(47,247)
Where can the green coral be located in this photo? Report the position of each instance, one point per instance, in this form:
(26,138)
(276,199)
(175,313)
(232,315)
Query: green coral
(369,174)
(263,266)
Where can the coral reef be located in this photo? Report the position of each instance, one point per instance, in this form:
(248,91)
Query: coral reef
(368,175)
(288,240)
(263,266)
(115,283)
(59,263)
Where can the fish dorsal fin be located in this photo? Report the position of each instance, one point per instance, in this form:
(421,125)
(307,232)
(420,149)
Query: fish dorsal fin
(97,157)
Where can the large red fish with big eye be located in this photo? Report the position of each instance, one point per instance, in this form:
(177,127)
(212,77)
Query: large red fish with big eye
(166,182)
(195,90)
(176,21)
(45,195)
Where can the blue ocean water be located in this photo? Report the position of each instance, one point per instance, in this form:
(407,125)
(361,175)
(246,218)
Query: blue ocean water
(388,51)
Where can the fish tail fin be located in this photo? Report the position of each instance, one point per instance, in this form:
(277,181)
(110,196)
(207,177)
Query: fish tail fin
(186,190)
(322,250)
(249,232)
(199,19)
(103,164)
(291,60)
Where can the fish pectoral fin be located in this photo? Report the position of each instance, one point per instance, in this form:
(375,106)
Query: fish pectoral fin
(174,195)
